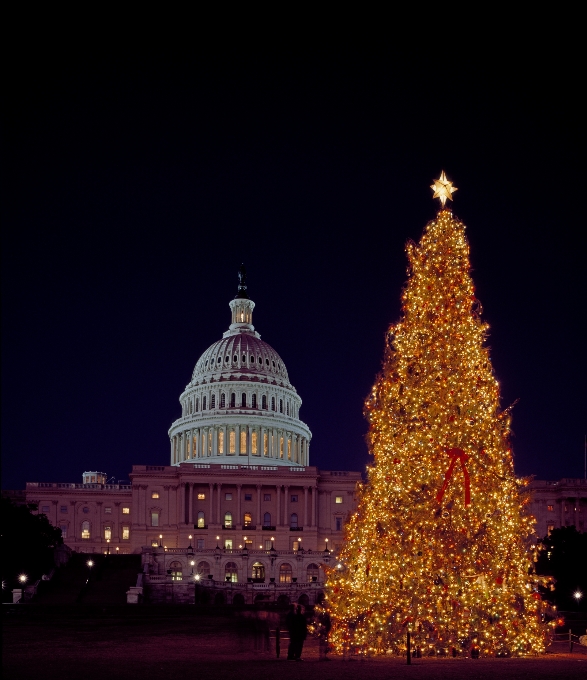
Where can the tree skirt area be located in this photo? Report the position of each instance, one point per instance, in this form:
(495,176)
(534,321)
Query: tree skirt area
(148,645)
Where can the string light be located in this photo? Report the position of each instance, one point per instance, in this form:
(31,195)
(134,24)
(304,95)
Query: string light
(438,543)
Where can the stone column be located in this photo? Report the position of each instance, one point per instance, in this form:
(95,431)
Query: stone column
(239,519)
(214,441)
(278,490)
(190,504)
(305,506)
(182,502)
(286,506)
(73,521)
(258,521)
(314,506)
(219,492)
(211,516)
(171,458)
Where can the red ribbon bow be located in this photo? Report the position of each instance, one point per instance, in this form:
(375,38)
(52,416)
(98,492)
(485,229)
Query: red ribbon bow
(460,455)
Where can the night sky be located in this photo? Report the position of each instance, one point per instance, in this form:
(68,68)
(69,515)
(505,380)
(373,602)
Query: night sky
(135,182)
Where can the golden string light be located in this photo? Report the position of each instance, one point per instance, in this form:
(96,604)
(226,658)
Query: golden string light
(439,541)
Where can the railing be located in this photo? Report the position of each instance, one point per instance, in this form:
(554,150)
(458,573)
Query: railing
(67,485)
(249,527)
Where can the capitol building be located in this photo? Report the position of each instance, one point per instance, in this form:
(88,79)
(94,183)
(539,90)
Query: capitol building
(239,514)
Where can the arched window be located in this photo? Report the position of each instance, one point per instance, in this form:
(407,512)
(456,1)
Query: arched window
(313,572)
(243,400)
(267,519)
(203,403)
(223,400)
(176,571)
(203,569)
(264,402)
(273,403)
(228,520)
(201,520)
(231,572)
(197,404)
(248,519)
(213,401)
(258,572)
(254,401)
(293,521)
(285,573)
(281,406)
(232,400)
(85,530)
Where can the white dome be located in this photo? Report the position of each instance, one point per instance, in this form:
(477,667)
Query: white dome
(240,356)
(240,402)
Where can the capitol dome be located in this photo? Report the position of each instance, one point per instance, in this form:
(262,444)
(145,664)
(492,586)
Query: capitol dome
(239,403)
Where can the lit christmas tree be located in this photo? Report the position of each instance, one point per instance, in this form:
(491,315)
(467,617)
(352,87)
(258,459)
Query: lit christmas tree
(440,543)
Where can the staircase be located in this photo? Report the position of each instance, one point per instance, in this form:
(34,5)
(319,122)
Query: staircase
(105,583)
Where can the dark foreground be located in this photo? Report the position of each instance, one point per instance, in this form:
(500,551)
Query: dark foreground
(169,645)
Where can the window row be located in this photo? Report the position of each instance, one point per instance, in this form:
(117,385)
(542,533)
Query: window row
(234,400)
(64,510)
(107,532)
(230,572)
(242,441)
(247,360)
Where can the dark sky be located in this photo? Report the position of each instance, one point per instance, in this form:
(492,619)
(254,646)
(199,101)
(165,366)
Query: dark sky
(135,181)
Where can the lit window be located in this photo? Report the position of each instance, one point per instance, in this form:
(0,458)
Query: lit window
(248,496)
(154,543)
(266,496)
(258,571)
(550,528)
(254,443)
(125,533)
(243,448)
(294,498)
(228,497)
(268,544)
(126,511)
(223,400)
(285,573)
(248,519)
(338,499)
(221,441)
(313,572)
(201,496)
(265,444)
(228,543)
(338,521)
(267,519)
(551,508)
(228,520)
(296,545)
(107,511)
(154,519)
(231,572)
(200,544)
(63,509)
(232,442)
(85,530)
(201,520)
(154,494)
(176,571)
(63,528)
(203,569)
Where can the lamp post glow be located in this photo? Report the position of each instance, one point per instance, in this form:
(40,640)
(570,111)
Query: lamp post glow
(160,539)
(578,595)
(23,578)
(90,563)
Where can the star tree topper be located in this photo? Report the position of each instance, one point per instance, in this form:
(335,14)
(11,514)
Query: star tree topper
(443,189)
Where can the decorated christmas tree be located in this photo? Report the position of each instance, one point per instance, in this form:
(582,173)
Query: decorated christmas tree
(441,543)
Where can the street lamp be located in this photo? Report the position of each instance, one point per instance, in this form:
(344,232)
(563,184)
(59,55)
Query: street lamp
(160,539)
(23,578)
(90,563)
(108,546)
(578,595)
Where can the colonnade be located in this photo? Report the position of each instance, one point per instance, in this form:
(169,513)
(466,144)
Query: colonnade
(214,512)
(238,440)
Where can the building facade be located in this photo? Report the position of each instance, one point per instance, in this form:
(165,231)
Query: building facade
(239,503)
